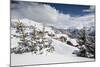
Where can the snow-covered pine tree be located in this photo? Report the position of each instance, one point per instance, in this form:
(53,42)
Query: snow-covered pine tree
(90,44)
(85,43)
(23,42)
(34,46)
(47,42)
(21,30)
(82,37)
(41,44)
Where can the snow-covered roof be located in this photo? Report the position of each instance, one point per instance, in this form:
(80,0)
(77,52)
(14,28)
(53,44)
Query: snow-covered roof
(60,35)
(73,41)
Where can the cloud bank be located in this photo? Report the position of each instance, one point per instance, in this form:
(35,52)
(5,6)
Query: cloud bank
(44,13)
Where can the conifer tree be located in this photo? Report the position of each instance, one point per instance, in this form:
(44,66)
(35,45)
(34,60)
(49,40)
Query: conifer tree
(86,44)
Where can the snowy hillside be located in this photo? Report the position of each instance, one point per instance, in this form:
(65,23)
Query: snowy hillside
(38,26)
(62,54)
(28,23)
(62,48)
(60,51)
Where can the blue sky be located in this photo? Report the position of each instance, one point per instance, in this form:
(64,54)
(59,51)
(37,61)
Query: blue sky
(71,9)
(58,15)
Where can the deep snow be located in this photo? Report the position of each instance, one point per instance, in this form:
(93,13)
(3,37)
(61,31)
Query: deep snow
(62,54)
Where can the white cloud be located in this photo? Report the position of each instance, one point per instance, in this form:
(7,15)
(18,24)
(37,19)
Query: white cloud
(44,13)
(91,9)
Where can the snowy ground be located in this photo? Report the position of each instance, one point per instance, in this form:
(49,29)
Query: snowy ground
(29,59)
(62,54)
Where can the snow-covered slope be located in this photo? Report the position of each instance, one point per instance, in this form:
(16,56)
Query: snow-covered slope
(62,48)
(62,54)
(28,23)
(38,26)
